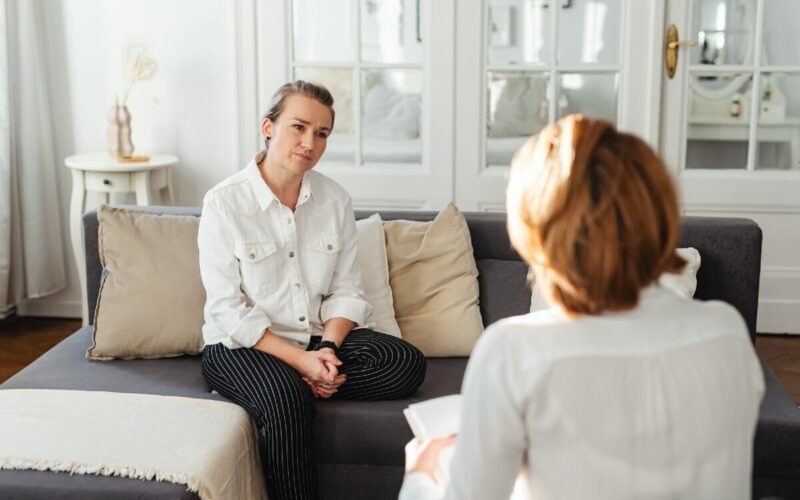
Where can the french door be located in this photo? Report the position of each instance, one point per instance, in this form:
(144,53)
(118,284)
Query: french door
(391,73)
(534,61)
(435,96)
(731,131)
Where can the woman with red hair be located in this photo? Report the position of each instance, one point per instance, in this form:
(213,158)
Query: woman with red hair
(622,389)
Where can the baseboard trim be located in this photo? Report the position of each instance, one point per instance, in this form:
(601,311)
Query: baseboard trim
(50,308)
(779,316)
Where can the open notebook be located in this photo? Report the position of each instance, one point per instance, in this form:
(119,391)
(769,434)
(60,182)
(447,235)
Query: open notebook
(440,417)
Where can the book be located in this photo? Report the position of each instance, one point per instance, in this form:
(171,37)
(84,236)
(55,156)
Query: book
(434,418)
(441,417)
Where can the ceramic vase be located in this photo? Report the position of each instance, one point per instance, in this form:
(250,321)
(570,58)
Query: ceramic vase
(118,133)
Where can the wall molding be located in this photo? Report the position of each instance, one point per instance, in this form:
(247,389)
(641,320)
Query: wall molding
(48,308)
(779,316)
(387,204)
(779,300)
(491,207)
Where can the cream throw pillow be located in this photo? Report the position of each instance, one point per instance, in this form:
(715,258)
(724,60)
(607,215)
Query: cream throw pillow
(434,281)
(374,267)
(151,298)
(684,284)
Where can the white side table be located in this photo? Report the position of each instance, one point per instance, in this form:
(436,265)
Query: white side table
(103,174)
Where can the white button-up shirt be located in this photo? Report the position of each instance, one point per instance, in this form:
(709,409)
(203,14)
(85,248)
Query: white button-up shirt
(264,266)
(659,402)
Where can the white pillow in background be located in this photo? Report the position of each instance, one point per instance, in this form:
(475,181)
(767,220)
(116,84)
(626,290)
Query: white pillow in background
(375,274)
(683,284)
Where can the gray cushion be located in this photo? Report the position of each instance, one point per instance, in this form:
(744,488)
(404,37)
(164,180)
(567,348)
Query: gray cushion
(346,431)
(36,485)
(504,289)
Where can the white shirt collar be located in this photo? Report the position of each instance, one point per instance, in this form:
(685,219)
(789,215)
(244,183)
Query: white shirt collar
(264,194)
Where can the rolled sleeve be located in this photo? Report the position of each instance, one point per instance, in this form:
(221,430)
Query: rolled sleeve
(346,292)
(228,316)
(354,309)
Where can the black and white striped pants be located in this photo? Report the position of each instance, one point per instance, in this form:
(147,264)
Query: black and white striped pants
(378,366)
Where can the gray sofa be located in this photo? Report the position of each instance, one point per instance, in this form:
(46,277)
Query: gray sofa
(360,454)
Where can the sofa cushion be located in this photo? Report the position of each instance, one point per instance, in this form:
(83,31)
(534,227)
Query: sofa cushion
(375,274)
(434,281)
(151,297)
(354,432)
(777,440)
(505,290)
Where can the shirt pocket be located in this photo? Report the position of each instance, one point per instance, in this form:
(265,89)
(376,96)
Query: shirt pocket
(258,266)
(323,256)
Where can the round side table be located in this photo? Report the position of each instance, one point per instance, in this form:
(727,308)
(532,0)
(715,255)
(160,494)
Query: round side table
(103,174)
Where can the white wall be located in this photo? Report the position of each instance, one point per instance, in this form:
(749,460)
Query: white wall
(188,109)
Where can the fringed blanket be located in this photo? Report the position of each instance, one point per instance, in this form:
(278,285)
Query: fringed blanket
(209,446)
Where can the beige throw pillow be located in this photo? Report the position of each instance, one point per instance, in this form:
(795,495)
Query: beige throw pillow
(151,298)
(375,274)
(434,281)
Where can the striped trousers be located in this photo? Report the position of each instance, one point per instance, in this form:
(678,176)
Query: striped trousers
(378,366)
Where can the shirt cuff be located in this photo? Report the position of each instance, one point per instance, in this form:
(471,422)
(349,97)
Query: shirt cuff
(420,486)
(356,310)
(251,328)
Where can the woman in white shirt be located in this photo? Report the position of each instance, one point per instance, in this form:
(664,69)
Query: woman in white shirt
(623,389)
(278,261)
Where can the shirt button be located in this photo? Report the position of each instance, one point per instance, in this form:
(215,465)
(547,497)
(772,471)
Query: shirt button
(297,285)
(291,254)
(302,318)
(252,255)
(330,247)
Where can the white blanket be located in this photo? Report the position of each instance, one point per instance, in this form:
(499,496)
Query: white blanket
(210,446)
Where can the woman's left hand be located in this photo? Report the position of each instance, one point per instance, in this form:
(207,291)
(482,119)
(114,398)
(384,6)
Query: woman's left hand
(424,456)
(325,389)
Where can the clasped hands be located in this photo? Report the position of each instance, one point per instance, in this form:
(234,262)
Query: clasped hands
(320,371)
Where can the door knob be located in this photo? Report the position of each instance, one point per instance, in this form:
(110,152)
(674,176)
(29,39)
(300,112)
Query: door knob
(672,46)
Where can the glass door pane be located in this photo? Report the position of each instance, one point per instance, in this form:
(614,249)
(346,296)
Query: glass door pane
(725,31)
(590,94)
(718,127)
(778,127)
(391,116)
(316,37)
(518,108)
(589,31)
(524,70)
(390,31)
(518,33)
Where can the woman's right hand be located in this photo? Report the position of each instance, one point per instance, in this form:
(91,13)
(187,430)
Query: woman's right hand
(312,365)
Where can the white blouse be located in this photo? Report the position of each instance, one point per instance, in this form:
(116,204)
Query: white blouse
(660,402)
(264,266)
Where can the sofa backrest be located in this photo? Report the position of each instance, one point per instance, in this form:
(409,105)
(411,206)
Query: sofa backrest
(730,249)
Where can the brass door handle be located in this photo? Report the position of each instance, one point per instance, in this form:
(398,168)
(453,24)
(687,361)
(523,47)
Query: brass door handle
(684,43)
(672,46)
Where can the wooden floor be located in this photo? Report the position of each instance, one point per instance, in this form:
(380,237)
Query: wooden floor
(22,340)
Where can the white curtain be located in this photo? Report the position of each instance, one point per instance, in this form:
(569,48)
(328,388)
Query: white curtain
(31,251)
